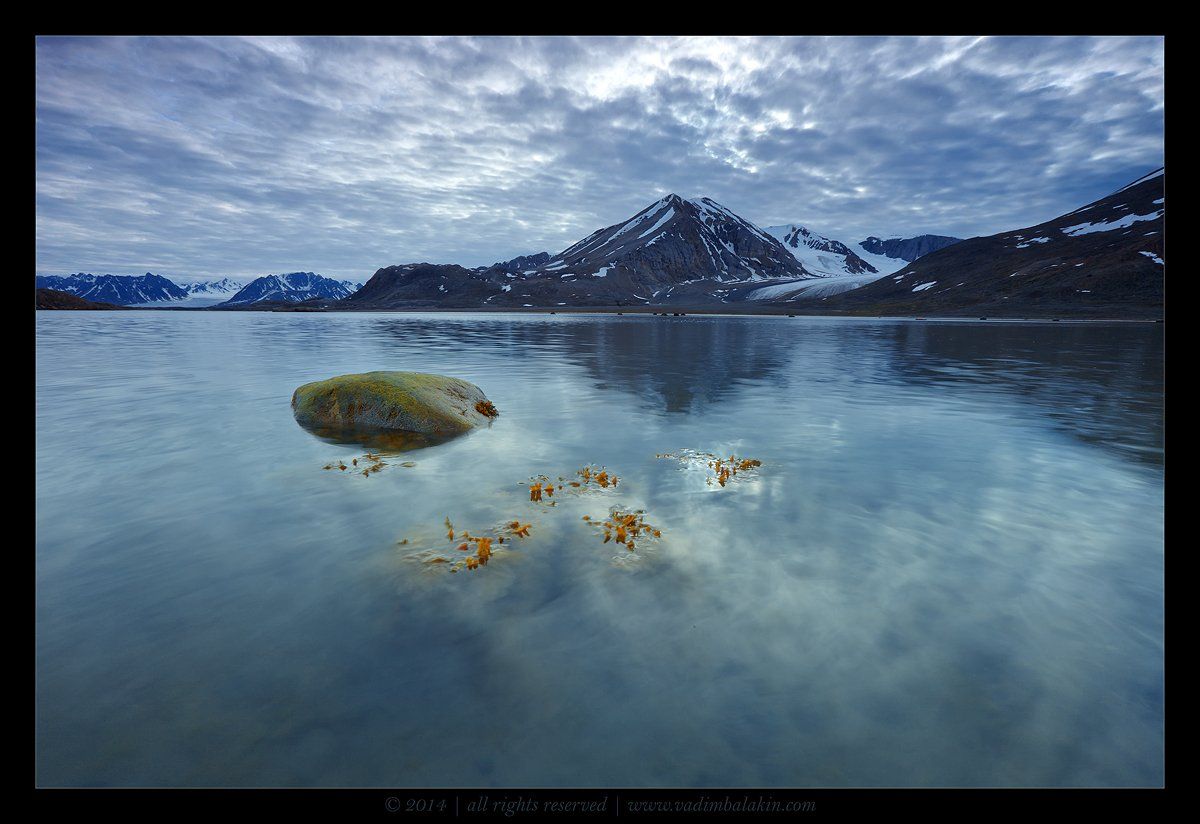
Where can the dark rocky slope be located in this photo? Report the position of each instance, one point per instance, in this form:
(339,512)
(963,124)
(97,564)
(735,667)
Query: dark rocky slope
(908,248)
(57,299)
(1104,259)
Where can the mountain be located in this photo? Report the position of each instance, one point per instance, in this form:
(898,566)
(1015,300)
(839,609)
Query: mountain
(54,299)
(820,255)
(125,290)
(143,290)
(907,248)
(210,292)
(428,285)
(522,263)
(837,267)
(1103,259)
(672,251)
(292,288)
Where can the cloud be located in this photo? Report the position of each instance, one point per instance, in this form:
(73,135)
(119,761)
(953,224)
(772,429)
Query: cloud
(229,156)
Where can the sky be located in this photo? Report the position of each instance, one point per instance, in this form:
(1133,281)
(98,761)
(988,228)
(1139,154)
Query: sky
(212,157)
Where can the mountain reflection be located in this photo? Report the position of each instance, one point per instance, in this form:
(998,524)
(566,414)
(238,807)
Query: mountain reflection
(1104,385)
(672,365)
(1101,384)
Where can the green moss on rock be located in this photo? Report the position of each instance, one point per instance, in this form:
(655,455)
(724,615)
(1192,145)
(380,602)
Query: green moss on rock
(409,401)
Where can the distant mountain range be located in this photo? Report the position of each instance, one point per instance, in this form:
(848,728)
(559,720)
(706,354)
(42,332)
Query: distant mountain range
(674,251)
(150,290)
(293,288)
(124,290)
(1103,259)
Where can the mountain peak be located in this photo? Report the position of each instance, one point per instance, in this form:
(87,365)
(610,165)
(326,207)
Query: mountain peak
(671,242)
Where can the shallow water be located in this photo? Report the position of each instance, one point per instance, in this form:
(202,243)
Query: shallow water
(947,571)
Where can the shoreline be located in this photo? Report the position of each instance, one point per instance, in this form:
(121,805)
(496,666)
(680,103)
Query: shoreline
(710,311)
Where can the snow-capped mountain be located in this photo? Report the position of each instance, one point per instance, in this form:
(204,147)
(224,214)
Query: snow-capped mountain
(823,256)
(1103,259)
(201,293)
(841,267)
(124,290)
(292,288)
(211,292)
(673,241)
(143,290)
(673,251)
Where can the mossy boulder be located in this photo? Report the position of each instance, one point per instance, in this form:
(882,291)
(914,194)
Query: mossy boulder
(406,401)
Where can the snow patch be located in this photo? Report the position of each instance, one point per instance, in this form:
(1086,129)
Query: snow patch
(1109,226)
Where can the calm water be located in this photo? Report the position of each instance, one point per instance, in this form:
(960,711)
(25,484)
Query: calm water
(948,571)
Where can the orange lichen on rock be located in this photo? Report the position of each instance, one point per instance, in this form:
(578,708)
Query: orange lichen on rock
(487,409)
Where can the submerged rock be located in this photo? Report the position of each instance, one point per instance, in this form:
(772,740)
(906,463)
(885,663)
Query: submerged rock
(408,402)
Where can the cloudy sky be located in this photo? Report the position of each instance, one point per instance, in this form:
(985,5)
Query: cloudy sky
(210,157)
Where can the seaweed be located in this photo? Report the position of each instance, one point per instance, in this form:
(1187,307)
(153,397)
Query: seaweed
(590,477)
(372,463)
(626,527)
(478,549)
(722,470)
(598,475)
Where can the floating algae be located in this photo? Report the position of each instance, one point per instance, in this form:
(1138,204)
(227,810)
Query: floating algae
(625,527)
(721,470)
(599,476)
(370,464)
(541,487)
(479,549)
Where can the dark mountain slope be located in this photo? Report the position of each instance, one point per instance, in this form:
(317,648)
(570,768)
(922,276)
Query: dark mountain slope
(908,248)
(56,299)
(419,285)
(1104,259)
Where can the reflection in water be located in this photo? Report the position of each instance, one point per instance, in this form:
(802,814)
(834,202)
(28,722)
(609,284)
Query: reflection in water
(947,570)
(386,441)
(1104,386)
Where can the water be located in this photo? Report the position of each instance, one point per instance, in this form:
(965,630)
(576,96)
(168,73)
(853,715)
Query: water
(948,570)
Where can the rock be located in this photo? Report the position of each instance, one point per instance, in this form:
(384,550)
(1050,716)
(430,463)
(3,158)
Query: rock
(406,401)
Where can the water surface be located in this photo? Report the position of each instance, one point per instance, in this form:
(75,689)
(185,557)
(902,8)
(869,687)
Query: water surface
(948,570)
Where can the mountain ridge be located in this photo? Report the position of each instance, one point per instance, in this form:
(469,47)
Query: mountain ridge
(1103,259)
(292,287)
